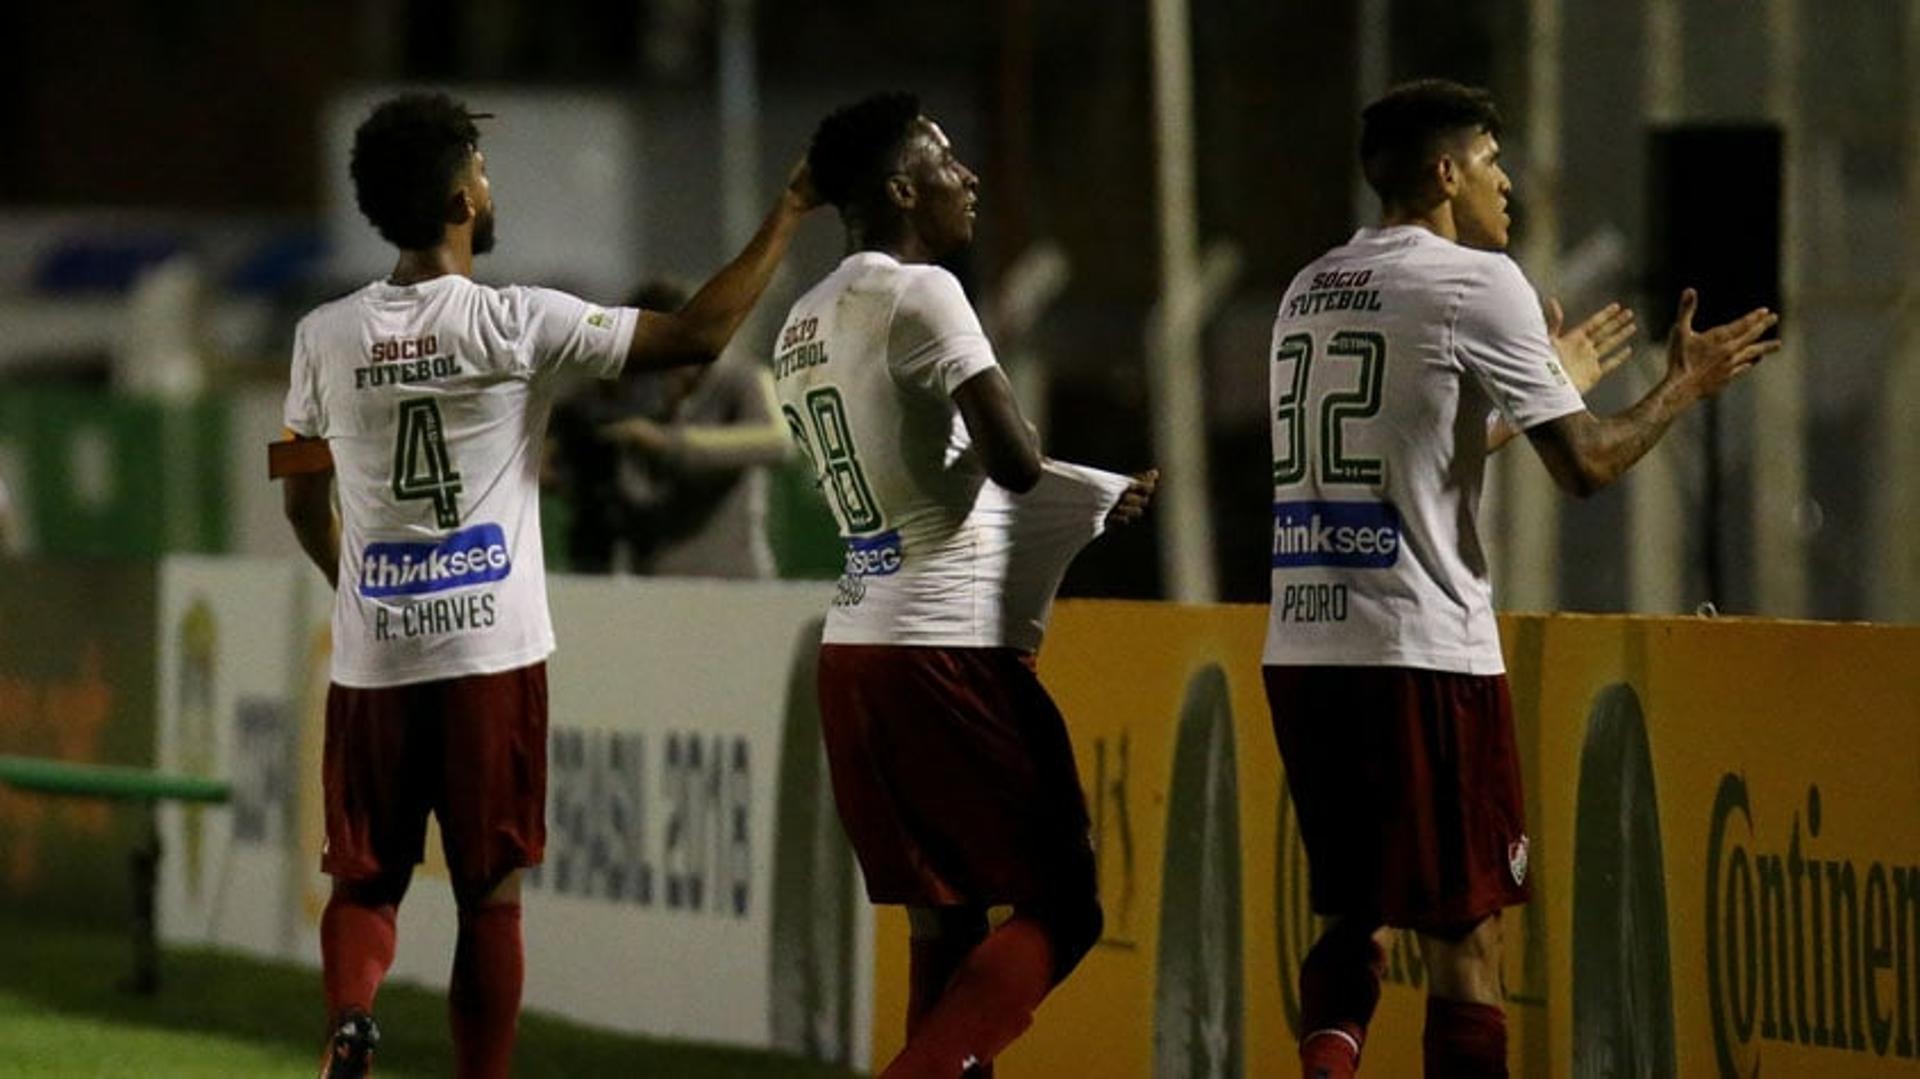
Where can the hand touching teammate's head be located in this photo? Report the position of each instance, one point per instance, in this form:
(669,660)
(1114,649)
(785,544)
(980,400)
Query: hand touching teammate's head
(1436,142)
(417,171)
(893,175)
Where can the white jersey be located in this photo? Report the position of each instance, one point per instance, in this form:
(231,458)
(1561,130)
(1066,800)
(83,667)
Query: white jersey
(433,399)
(1389,355)
(936,554)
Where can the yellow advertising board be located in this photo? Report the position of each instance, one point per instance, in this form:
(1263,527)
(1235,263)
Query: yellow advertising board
(1726,854)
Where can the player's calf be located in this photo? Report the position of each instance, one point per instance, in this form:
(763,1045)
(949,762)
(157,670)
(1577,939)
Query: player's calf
(1073,928)
(1339,989)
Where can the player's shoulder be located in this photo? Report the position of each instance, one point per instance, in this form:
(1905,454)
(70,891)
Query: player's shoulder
(821,291)
(1469,277)
(332,311)
(516,312)
(878,271)
(513,300)
(923,288)
(1478,268)
(928,275)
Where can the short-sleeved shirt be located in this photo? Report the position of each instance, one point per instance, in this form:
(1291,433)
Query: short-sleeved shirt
(1388,355)
(433,398)
(865,368)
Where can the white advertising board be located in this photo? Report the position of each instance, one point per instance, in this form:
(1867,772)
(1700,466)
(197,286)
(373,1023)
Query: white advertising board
(696,883)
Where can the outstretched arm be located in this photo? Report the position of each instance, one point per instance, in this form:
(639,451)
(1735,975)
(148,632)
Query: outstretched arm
(1585,453)
(758,436)
(704,324)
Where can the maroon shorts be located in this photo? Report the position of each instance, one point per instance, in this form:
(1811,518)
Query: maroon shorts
(1406,784)
(954,776)
(471,750)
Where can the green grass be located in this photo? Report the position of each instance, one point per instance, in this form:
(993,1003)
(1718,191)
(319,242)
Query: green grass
(62,1014)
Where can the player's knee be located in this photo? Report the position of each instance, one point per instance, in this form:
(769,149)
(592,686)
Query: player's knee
(381,891)
(469,895)
(947,923)
(1349,942)
(1463,960)
(1478,939)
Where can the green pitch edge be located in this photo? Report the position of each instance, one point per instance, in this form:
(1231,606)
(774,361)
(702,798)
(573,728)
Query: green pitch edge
(108,781)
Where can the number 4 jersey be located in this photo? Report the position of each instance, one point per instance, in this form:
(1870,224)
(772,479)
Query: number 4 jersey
(433,399)
(1390,354)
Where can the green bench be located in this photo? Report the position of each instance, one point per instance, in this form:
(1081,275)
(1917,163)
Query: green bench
(121,783)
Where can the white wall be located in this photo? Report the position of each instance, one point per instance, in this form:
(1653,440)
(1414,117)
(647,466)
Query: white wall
(685,803)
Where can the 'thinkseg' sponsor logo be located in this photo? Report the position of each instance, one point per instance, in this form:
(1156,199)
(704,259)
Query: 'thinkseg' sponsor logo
(468,557)
(1353,535)
(874,556)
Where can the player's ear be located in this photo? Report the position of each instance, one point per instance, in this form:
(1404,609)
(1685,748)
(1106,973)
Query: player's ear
(900,191)
(460,206)
(1445,174)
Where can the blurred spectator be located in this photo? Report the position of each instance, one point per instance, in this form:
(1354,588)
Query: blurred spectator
(585,467)
(667,471)
(694,478)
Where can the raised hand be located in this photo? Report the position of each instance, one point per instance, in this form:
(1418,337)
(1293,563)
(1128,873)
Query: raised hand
(801,195)
(1704,362)
(1133,501)
(1594,349)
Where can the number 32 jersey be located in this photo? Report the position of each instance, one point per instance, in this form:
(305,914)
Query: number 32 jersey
(433,398)
(1389,355)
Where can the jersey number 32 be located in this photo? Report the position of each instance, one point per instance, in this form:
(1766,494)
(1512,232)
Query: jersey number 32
(1292,414)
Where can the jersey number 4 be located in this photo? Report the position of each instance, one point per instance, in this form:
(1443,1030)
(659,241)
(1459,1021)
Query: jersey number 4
(834,459)
(1337,409)
(422,468)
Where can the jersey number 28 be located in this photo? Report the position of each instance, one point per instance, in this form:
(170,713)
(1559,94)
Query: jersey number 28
(834,459)
(422,468)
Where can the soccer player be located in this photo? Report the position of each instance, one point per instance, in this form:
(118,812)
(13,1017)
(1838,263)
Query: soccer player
(951,767)
(424,396)
(1382,664)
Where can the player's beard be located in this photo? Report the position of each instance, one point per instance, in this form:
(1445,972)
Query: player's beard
(483,232)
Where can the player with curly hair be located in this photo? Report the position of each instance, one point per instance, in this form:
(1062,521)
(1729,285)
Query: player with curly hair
(423,397)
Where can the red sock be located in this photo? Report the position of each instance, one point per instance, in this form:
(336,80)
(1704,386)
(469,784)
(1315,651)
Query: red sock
(356,948)
(1330,1053)
(1339,989)
(483,998)
(1465,1040)
(988,1004)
